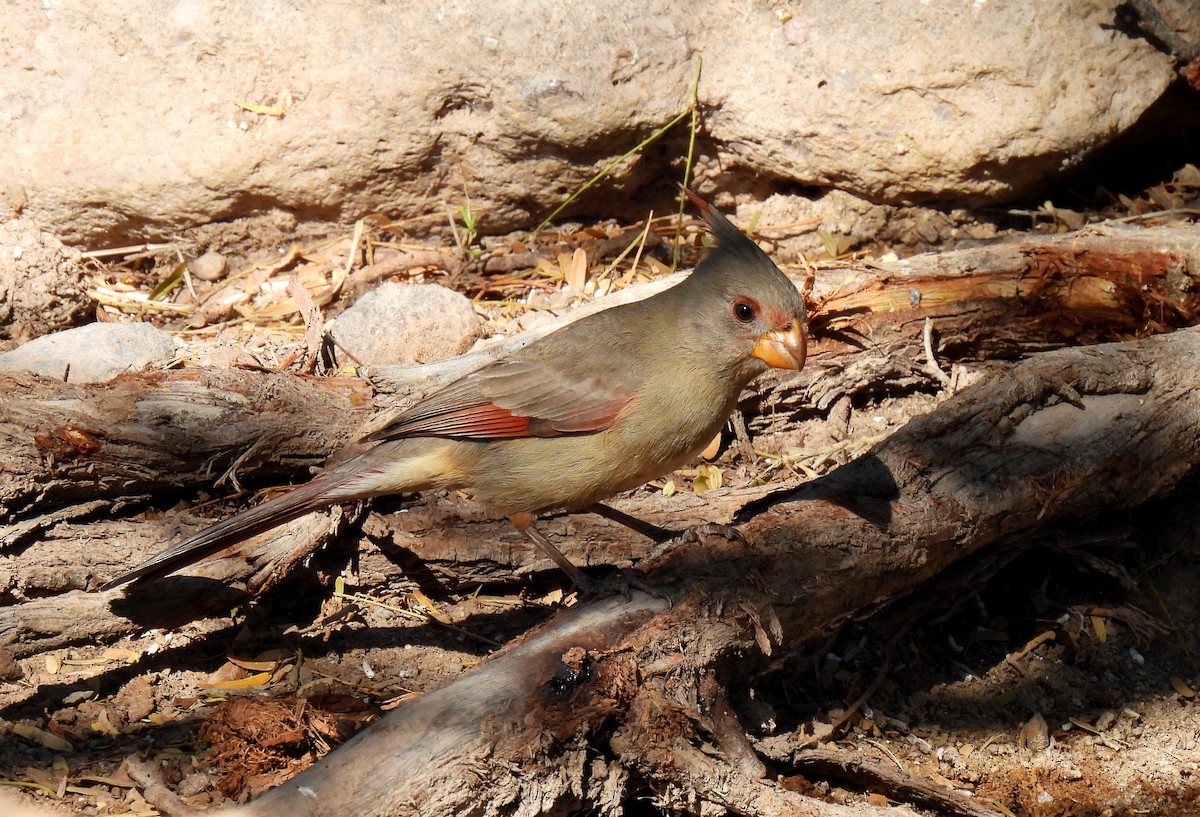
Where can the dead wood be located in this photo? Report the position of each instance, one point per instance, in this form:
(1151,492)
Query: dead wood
(993,468)
(1001,301)
(1062,439)
(62,443)
(71,455)
(889,781)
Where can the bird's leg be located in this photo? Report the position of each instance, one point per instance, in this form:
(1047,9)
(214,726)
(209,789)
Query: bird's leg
(660,536)
(586,584)
(524,523)
(652,532)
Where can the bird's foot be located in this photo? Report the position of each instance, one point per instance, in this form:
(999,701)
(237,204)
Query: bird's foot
(622,584)
(695,535)
(727,532)
(635,580)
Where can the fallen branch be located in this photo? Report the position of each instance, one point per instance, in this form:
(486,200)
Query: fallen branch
(624,693)
(1064,437)
(64,449)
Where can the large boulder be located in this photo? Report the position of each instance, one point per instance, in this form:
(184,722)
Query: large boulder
(126,119)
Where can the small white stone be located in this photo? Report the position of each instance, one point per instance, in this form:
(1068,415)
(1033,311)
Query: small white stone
(208,267)
(404,324)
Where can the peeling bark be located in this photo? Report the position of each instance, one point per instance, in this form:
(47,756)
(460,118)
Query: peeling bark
(62,443)
(625,686)
(1063,437)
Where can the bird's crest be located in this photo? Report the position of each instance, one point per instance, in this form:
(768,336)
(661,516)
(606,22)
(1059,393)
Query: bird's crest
(731,242)
(722,229)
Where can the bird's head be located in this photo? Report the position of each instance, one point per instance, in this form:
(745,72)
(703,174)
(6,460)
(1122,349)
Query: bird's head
(750,316)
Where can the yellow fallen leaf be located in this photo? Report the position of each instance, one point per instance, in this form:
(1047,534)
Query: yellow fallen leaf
(47,739)
(708,478)
(265,110)
(434,613)
(258,679)
(1100,628)
(118,654)
(1182,688)
(102,725)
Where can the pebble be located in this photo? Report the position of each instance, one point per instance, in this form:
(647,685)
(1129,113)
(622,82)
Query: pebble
(1035,734)
(208,267)
(405,324)
(93,353)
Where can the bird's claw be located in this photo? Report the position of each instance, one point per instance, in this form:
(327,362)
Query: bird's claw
(623,584)
(635,580)
(727,532)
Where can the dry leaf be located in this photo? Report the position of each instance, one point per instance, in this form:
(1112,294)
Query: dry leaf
(263,110)
(708,478)
(118,654)
(41,736)
(434,613)
(102,725)
(577,272)
(258,679)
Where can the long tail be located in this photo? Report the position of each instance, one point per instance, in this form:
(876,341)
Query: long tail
(295,503)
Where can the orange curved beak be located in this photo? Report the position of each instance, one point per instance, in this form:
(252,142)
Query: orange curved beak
(783,348)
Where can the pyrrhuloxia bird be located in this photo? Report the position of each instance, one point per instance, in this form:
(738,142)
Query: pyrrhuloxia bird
(598,407)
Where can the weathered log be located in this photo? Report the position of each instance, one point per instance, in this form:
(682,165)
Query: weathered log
(176,429)
(62,443)
(1063,438)
(179,431)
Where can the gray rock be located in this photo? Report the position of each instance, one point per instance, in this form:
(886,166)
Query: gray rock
(92,353)
(403,324)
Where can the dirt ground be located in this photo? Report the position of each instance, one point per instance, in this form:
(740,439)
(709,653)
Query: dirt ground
(1064,684)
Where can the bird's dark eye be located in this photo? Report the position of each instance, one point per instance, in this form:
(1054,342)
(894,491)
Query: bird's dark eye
(744,311)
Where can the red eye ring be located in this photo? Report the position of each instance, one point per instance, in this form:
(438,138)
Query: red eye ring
(743,311)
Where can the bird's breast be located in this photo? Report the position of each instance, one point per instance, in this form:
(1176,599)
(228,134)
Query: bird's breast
(652,439)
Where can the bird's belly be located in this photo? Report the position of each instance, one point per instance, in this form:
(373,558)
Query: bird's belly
(574,472)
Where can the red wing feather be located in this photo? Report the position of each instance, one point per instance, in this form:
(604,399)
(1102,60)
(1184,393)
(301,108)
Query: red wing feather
(514,398)
(485,421)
